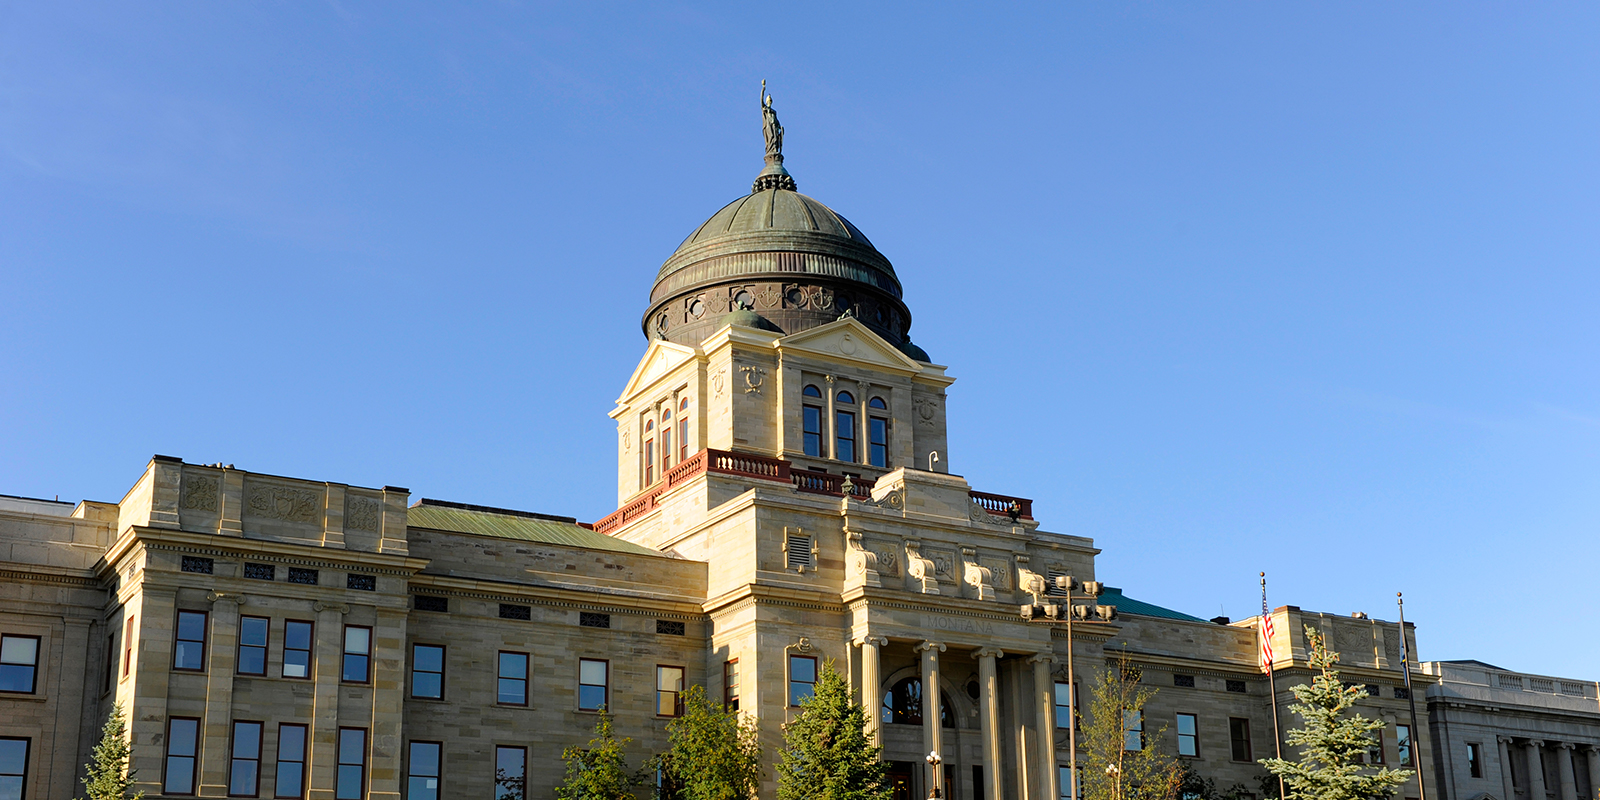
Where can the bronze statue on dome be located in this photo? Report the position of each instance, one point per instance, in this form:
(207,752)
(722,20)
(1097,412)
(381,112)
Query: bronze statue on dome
(770,128)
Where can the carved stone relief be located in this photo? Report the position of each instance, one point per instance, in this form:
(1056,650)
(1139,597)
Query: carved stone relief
(279,502)
(200,493)
(888,556)
(894,500)
(1391,644)
(927,409)
(920,572)
(944,563)
(769,296)
(719,381)
(361,514)
(1354,643)
(980,514)
(1000,570)
(753,378)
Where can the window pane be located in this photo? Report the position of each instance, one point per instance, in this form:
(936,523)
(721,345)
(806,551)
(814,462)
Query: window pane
(11,787)
(357,640)
(292,743)
(513,665)
(513,691)
(252,660)
(19,650)
(802,668)
(15,678)
(510,767)
(592,672)
(289,782)
(422,788)
(180,775)
(242,779)
(191,625)
(591,697)
(845,433)
(427,684)
(349,787)
(297,635)
(428,658)
(253,631)
(846,397)
(1186,724)
(424,758)
(13,756)
(296,664)
(182,733)
(355,668)
(246,740)
(669,679)
(812,391)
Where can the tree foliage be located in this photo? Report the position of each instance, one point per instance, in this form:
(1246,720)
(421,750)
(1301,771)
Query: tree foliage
(1193,786)
(109,777)
(1334,740)
(599,771)
(714,753)
(1111,771)
(826,753)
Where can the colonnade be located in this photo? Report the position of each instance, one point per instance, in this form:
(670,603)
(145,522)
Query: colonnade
(1041,778)
(1535,782)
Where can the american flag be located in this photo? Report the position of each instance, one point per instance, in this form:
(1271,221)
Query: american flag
(1266,638)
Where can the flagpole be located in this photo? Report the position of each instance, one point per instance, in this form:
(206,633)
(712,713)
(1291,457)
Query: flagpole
(1405,666)
(1272,687)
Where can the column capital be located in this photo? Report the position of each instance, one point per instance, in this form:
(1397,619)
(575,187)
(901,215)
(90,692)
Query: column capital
(1564,745)
(1534,743)
(875,641)
(1505,739)
(937,647)
(1042,658)
(1593,749)
(988,652)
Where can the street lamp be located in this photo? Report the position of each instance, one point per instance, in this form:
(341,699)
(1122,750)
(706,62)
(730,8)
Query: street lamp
(1089,614)
(934,761)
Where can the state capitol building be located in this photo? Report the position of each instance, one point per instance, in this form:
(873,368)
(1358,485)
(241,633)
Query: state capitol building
(785,498)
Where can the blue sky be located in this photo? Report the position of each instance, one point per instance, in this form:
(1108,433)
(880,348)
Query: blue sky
(1306,288)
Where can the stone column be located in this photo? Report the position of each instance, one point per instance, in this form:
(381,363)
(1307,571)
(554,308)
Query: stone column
(322,751)
(1569,781)
(1535,770)
(872,686)
(1593,752)
(1505,767)
(1045,687)
(211,773)
(930,704)
(989,719)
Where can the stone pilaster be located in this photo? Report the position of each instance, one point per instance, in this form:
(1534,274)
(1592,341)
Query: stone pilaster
(322,766)
(211,774)
(989,718)
(1536,790)
(930,703)
(1506,775)
(1044,688)
(388,690)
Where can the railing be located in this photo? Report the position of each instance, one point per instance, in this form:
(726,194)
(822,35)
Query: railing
(1000,505)
(774,469)
(828,483)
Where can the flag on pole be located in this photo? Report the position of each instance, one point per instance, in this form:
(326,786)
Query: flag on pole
(1266,636)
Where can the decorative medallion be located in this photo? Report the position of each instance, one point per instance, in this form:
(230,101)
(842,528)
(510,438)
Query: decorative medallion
(927,409)
(753,379)
(847,345)
(627,441)
(718,382)
(200,493)
(290,505)
(768,297)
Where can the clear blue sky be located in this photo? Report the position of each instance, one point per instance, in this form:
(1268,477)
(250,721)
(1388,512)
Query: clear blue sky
(1308,288)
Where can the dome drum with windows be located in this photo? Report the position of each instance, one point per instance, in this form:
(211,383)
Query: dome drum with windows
(776,260)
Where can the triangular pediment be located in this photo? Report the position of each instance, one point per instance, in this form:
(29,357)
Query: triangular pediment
(661,358)
(850,340)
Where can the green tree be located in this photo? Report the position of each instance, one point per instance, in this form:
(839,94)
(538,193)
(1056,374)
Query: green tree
(826,753)
(1334,741)
(109,777)
(599,771)
(1123,760)
(1193,786)
(714,754)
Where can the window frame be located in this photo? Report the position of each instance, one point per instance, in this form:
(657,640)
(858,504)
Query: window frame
(33,669)
(345,654)
(605,662)
(1474,759)
(1072,700)
(1194,738)
(499,668)
(265,647)
(233,756)
(177,637)
(127,650)
(683,430)
(340,763)
(677,694)
(193,757)
(877,451)
(1138,717)
(789,682)
(523,784)
(1403,745)
(730,688)
(443,665)
(111,662)
(27,759)
(844,435)
(648,452)
(279,761)
(310,650)
(811,440)
(438,765)
(667,450)
(1234,741)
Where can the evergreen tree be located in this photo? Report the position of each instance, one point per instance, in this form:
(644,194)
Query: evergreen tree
(826,753)
(1333,741)
(714,755)
(599,771)
(109,777)
(1124,761)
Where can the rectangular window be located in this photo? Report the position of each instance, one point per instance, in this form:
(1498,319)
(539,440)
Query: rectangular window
(303,576)
(666,447)
(649,461)
(592,619)
(19,663)
(1239,738)
(362,583)
(1064,778)
(351,782)
(844,435)
(422,602)
(513,611)
(1402,742)
(669,688)
(204,566)
(253,645)
(422,771)
(811,430)
(127,648)
(1183,681)
(1132,730)
(668,627)
(730,685)
(111,663)
(513,674)
(189,652)
(427,671)
(1064,698)
(594,680)
(244,766)
(683,432)
(802,678)
(296,649)
(182,735)
(878,441)
(1375,752)
(13,767)
(510,773)
(357,654)
(260,572)
(1188,735)
(291,760)
(1236,686)
(977,782)
(1475,759)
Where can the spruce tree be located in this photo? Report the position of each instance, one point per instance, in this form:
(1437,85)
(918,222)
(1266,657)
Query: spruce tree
(826,753)
(1112,771)
(599,771)
(1333,742)
(109,777)
(714,754)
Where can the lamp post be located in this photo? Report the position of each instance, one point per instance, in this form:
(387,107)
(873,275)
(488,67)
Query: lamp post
(1089,614)
(934,761)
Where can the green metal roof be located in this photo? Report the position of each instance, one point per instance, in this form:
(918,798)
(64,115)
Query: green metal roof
(1127,605)
(507,524)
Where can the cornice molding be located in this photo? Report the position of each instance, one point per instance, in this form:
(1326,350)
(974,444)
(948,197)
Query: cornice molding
(30,576)
(436,591)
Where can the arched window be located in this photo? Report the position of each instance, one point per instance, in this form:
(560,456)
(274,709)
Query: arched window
(666,440)
(846,397)
(649,452)
(811,423)
(877,402)
(902,705)
(811,391)
(683,429)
